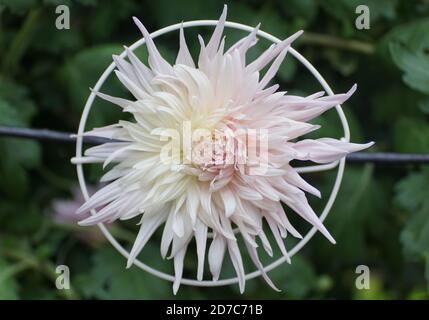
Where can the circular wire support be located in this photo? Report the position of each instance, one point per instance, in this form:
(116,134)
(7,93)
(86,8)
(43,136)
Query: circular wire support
(340,164)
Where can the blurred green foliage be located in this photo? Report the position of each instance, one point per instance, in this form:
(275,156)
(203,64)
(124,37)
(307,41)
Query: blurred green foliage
(381,216)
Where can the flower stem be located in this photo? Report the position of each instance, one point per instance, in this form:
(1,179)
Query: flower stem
(12,270)
(20,42)
(27,260)
(335,42)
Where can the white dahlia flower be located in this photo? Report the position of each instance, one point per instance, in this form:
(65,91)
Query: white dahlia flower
(209,184)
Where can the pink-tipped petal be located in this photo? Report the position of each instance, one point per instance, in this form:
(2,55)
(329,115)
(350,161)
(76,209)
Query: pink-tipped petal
(214,42)
(157,62)
(184,56)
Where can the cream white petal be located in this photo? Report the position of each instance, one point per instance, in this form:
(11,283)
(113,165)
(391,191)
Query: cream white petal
(184,56)
(237,262)
(201,241)
(148,225)
(123,103)
(137,91)
(278,238)
(214,42)
(272,71)
(326,149)
(156,61)
(143,74)
(254,256)
(178,269)
(216,254)
(272,52)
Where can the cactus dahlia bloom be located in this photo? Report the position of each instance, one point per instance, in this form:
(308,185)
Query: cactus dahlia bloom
(228,192)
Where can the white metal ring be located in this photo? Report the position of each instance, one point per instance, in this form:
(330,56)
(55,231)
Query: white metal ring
(302,242)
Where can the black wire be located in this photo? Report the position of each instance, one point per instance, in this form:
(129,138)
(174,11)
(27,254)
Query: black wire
(45,134)
(388,157)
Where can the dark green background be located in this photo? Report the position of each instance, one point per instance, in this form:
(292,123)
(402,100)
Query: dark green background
(381,216)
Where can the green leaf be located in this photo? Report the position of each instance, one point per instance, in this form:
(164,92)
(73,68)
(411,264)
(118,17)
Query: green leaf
(19,6)
(415,66)
(394,102)
(354,210)
(8,115)
(411,191)
(18,155)
(359,212)
(57,2)
(427,271)
(81,73)
(415,235)
(53,41)
(304,10)
(83,70)
(411,135)
(297,279)
(408,46)
(168,12)
(8,284)
(21,219)
(411,194)
(424,106)
(109,279)
(16,97)
(413,35)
